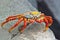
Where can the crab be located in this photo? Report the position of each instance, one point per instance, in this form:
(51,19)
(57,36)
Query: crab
(29,17)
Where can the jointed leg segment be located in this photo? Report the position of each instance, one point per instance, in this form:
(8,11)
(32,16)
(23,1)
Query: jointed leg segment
(15,25)
(24,26)
(8,19)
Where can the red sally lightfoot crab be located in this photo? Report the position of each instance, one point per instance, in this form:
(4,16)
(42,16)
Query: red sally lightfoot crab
(29,17)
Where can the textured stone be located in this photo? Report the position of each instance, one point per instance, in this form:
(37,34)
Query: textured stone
(34,32)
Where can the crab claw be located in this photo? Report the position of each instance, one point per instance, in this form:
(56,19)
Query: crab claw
(8,19)
(48,20)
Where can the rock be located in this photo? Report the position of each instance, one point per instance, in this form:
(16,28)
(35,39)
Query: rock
(33,32)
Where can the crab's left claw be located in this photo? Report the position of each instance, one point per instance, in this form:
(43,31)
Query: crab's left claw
(8,19)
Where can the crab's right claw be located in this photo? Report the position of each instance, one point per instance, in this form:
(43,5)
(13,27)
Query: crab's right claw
(48,20)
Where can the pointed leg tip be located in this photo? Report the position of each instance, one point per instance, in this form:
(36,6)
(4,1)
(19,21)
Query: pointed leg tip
(9,31)
(21,32)
(44,30)
(1,25)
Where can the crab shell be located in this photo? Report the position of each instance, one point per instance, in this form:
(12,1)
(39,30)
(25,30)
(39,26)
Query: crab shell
(32,14)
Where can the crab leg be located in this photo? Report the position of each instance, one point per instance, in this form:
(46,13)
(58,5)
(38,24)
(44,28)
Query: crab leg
(24,26)
(8,19)
(43,20)
(31,21)
(15,25)
(47,24)
(49,20)
(39,21)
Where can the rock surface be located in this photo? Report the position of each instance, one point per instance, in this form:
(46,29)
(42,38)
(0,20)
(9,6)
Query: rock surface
(34,32)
